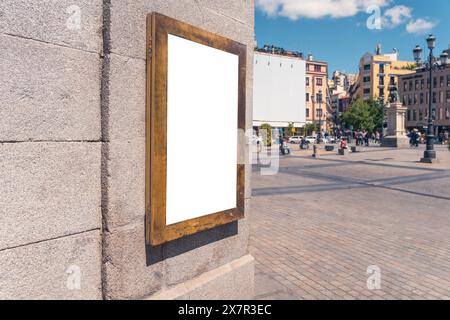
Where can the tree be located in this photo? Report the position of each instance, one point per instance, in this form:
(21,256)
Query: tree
(266,130)
(364,115)
(291,129)
(310,128)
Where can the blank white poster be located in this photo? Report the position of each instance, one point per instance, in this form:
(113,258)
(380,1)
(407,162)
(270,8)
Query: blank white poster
(202,121)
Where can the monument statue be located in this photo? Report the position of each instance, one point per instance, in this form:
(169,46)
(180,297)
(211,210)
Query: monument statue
(394,95)
(396,117)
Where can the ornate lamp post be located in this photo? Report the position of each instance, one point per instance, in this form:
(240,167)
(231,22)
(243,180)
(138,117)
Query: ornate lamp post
(430,66)
(319,98)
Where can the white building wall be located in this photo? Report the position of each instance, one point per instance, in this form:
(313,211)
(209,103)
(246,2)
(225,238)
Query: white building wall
(279,90)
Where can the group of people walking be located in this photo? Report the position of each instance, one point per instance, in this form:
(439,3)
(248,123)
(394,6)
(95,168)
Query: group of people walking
(364,138)
(416,138)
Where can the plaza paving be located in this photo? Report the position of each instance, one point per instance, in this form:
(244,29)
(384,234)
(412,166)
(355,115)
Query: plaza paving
(318,224)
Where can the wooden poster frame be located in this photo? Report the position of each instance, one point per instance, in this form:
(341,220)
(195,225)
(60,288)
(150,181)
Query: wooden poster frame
(158,29)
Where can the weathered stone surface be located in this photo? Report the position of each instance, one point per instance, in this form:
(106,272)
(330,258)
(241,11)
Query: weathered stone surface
(48,190)
(126,182)
(234,280)
(132,269)
(129,38)
(48,92)
(242,10)
(213,248)
(50,269)
(55,21)
(127,85)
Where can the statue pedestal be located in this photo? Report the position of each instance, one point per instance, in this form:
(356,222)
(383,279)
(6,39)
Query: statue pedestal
(396,133)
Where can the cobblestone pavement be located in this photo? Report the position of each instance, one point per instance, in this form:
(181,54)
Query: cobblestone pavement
(318,224)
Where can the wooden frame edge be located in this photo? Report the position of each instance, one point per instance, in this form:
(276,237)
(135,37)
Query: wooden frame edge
(157,232)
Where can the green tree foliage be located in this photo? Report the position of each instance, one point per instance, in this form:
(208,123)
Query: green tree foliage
(364,115)
(310,128)
(290,129)
(266,131)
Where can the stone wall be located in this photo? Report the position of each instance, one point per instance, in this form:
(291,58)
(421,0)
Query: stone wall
(72,155)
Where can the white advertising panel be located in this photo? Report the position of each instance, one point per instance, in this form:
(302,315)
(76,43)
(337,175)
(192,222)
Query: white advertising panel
(202,121)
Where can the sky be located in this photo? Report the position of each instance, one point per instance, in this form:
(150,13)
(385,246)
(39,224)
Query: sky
(341,31)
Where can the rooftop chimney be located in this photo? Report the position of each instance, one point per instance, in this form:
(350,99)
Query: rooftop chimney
(310,57)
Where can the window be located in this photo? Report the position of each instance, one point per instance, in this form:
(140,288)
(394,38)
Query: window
(319,82)
(410,85)
(441,97)
(404,100)
(307,97)
(367,91)
(409,100)
(416,85)
(415,98)
(448,96)
(366,79)
(392,83)
(448,81)
(307,112)
(441,81)
(367,67)
(317,68)
(319,113)
(405,86)
(447,114)
(422,84)
(307,81)
(434,97)
(434,82)
(420,115)
(318,98)
(422,96)
(408,115)
(414,115)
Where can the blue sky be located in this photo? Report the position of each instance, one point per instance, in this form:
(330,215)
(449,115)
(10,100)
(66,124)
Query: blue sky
(336,30)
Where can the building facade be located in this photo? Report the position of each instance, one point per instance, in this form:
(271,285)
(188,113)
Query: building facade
(318,108)
(378,74)
(414,93)
(339,87)
(278,90)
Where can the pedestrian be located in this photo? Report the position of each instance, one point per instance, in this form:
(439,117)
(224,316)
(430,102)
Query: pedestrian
(377,137)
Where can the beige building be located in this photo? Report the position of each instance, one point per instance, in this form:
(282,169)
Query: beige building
(378,74)
(318,108)
(414,93)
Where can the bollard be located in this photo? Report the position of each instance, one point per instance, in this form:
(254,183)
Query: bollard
(315,152)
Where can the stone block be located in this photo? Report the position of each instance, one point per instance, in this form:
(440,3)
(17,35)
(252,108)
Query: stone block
(213,248)
(126,182)
(63,268)
(127,86)
(55,21)
(129,38)
(132,269)
(232,281)
(48,92)
(48,190)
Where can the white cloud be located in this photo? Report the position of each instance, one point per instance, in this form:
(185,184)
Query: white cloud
(396,16)
(420,26)
(296,9)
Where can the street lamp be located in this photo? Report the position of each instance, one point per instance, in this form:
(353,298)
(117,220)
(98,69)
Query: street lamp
(319,98)
(431,65)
